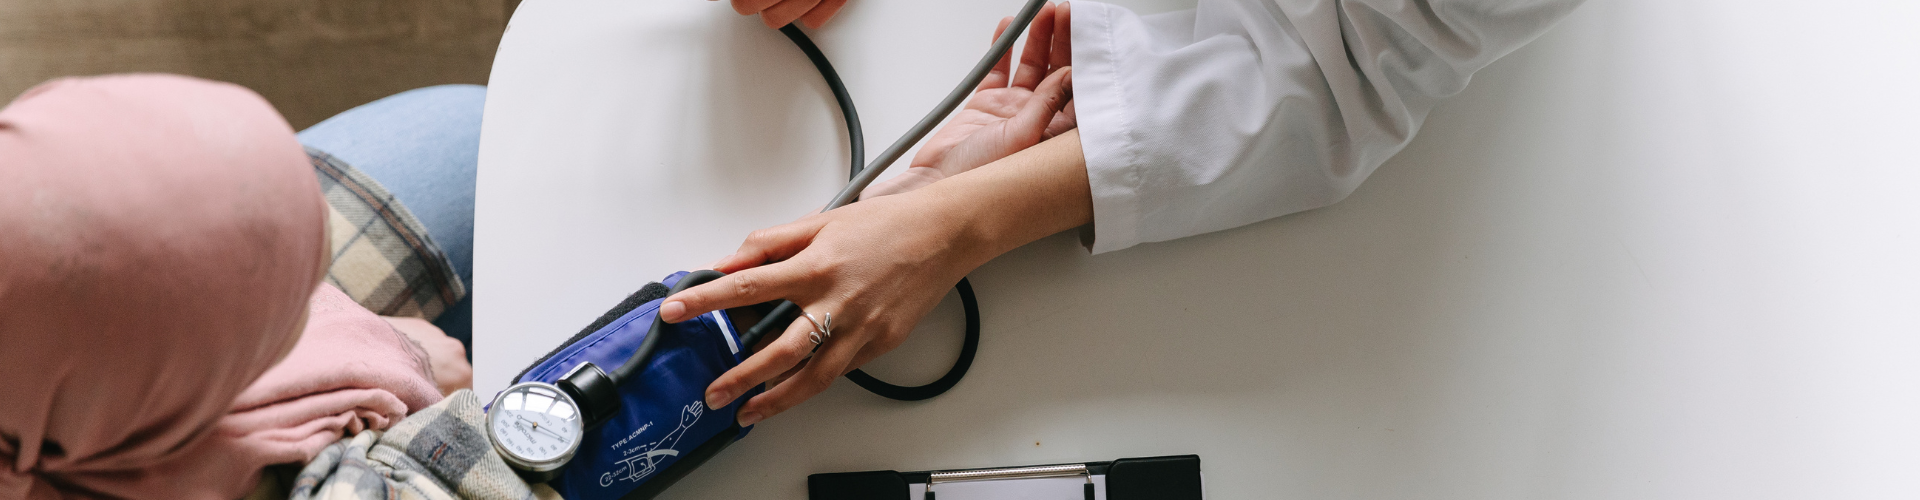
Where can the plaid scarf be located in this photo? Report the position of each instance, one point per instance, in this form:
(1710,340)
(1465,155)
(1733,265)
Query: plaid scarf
(382,255)
(440,453)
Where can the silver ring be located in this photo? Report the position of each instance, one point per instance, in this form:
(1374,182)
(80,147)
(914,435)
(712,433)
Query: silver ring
(822,329)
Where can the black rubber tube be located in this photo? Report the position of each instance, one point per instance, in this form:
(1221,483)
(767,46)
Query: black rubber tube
(638,361)
(856,139)
(968,348)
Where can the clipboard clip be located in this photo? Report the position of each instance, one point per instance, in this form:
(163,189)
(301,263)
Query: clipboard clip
(1172,477)
(1033,472)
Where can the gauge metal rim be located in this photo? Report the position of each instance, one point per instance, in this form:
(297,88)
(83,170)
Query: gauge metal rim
(533,465)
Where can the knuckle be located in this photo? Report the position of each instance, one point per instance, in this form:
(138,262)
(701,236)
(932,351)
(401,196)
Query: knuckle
(798,348)
(732,379)
(793,354)
(745,285)
(692,299)
(775,406)
(819,267)
(812,384)
(887,340)
(784,354)
(759,237)
(731,388)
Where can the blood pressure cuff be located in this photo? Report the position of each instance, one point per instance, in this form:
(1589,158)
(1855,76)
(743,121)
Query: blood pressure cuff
(664,428)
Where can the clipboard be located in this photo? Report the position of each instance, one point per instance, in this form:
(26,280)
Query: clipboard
(1147,478)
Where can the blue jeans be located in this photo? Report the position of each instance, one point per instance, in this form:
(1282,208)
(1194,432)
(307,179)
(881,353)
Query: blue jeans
(424,146)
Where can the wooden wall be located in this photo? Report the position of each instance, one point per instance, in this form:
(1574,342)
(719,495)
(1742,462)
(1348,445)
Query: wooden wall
(311,58)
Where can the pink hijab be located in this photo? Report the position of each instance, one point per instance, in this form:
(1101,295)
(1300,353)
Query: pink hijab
(160,238)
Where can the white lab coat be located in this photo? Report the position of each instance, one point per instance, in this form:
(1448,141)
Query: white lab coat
(1244,110)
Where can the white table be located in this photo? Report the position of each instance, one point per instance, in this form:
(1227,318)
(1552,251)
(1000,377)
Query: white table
(1671,250)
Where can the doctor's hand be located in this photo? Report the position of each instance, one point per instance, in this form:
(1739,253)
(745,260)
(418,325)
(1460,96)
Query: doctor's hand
(777,13)
(1008,111)
(879,266)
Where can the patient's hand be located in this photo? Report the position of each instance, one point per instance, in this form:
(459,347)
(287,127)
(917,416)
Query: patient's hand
(1008,112)
(446,357)
(777,13)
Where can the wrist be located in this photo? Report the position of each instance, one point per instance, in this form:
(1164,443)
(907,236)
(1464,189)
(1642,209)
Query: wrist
(1013,201)
(971,232)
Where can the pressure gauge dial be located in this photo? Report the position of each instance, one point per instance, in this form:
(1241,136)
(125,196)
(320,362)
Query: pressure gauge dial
(536,428)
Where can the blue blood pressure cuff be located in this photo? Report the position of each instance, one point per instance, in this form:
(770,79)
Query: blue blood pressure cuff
(664,428)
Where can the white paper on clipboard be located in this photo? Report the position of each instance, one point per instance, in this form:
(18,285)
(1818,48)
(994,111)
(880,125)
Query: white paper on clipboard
(1045,488)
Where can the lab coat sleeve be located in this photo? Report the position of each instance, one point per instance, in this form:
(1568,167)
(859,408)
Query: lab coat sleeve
(1243,110)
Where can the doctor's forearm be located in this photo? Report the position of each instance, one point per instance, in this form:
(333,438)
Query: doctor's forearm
(1021,198)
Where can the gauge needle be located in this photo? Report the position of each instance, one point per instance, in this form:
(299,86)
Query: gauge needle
(536,427)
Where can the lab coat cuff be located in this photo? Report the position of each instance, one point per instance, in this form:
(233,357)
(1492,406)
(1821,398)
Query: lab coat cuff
(1113,163)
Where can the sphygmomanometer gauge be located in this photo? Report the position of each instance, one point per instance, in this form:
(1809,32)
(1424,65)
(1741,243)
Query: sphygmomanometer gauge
(536,428)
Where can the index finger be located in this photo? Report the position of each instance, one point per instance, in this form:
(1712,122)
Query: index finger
(744,288)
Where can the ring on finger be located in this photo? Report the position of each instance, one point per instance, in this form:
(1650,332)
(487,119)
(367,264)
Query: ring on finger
(822,329)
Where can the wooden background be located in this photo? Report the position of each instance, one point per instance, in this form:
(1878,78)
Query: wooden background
(311,58)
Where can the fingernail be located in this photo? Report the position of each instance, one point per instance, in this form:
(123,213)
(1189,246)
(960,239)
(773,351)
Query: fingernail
(670,312)
(749,418)
(717,399)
